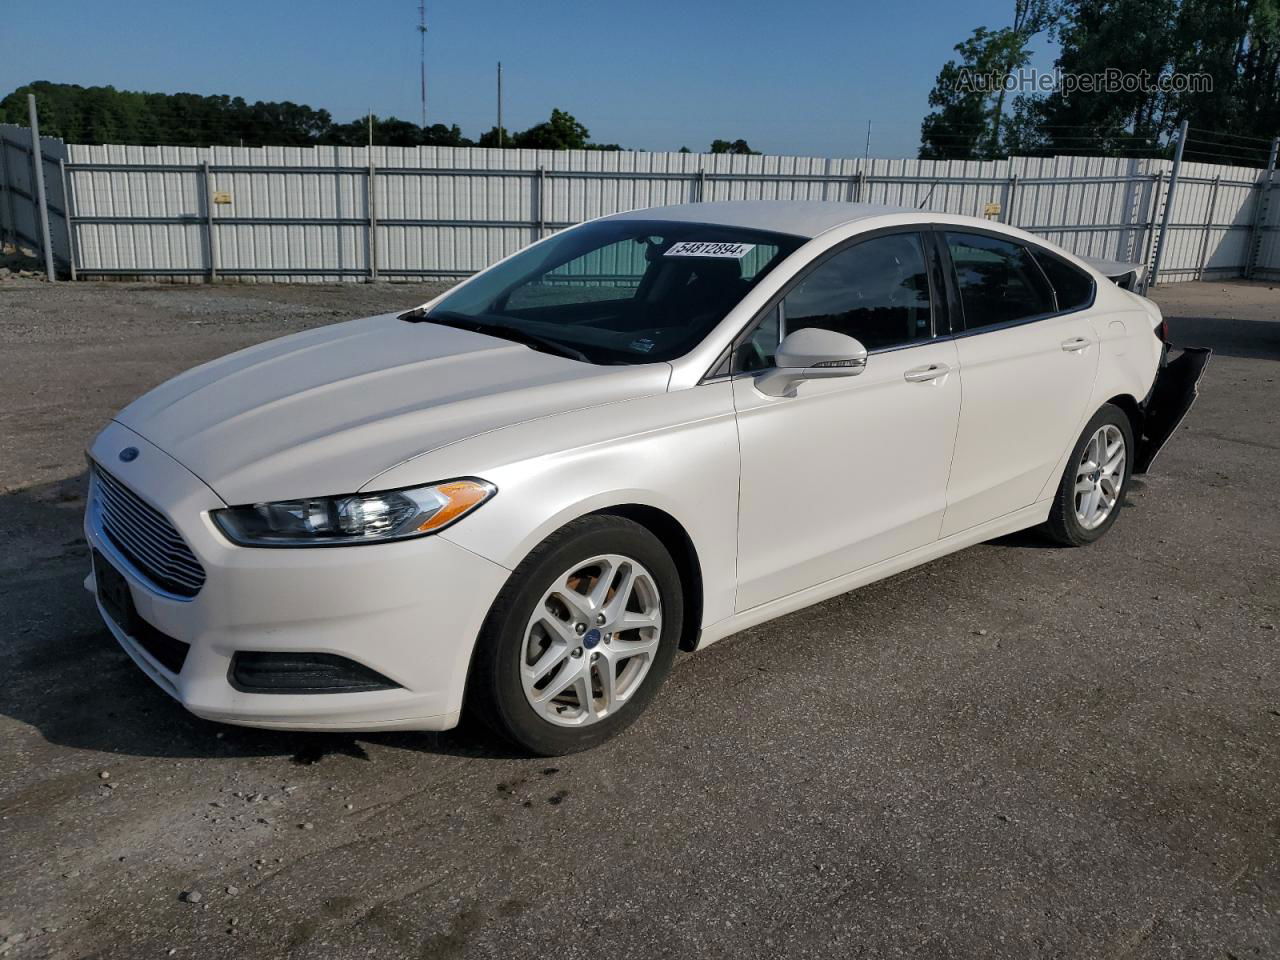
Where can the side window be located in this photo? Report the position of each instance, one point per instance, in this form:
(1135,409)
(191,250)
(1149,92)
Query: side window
(999,280)
(755,351)
(1073,286)
(876,291)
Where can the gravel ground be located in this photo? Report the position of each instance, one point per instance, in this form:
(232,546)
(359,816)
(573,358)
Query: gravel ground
(1010,752)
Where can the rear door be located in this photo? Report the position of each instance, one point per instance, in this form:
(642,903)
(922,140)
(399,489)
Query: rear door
(1026,368)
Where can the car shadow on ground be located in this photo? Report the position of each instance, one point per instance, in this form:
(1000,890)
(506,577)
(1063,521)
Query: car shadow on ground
(1255,339)
(1036,538)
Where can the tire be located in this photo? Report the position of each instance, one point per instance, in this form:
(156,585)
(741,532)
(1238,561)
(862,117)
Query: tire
(538,636)
(1075,520)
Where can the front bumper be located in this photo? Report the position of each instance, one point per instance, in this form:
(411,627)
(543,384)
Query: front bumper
(409,610)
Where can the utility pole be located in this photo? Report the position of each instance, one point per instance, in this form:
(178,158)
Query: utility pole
(1260,212)
(422,56)
(1169,195)
(372,200)
(499,103)
(37,174)
(866,156)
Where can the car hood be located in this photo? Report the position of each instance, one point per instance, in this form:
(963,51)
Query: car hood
(327,410)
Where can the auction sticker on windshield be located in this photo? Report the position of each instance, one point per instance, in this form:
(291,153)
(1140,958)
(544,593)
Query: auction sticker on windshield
(709,248)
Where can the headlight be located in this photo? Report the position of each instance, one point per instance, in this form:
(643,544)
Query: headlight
(355,518)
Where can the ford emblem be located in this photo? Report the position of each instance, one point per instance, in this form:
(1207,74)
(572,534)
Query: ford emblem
(129,454)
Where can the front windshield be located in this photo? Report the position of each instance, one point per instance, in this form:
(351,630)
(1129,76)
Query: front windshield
(619,291)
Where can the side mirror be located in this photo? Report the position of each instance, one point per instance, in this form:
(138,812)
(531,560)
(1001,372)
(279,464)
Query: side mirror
(811,354)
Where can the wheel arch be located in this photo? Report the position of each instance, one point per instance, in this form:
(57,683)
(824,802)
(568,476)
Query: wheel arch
(683,551)
(673,535)
(663,525)
(1132,408)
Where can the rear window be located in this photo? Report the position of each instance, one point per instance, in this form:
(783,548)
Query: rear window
(1073,286)
(999,281)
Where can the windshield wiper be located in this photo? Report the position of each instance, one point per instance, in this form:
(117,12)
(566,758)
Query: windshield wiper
(530,340)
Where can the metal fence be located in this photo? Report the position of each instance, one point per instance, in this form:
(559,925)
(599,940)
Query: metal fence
(20,208)
(343,213)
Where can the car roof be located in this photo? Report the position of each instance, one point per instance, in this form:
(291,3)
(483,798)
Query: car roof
(811,218)
(800,218)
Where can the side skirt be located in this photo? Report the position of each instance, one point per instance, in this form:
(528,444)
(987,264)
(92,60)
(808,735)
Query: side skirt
(1010,523)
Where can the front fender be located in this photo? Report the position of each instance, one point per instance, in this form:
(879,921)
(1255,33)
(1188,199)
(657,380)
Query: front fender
(675,452)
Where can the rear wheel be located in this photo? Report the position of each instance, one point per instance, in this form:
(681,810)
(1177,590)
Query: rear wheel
(580,639)
(1095,479)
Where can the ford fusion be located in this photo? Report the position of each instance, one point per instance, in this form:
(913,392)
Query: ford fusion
(636,436)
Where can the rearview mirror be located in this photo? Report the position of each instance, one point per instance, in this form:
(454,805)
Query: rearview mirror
(811,354)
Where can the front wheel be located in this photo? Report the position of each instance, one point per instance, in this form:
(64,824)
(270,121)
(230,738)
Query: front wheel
(1094,482)
(580,638)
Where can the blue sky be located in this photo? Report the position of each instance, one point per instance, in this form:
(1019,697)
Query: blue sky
(798,77)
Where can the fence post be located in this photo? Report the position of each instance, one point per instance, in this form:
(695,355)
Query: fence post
(542,201)
(207,178)
(1168,204)
(855,183)
(37,174)
(373,218)
(66,216)
(1157,182)
(1260,213)
(1010,195)
(702,185)
(1208,226)
(10,227)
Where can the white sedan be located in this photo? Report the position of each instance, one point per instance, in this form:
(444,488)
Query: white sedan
(636,436)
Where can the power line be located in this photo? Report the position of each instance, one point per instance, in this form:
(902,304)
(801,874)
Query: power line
(1234,160)
(1229,147)
(1237,136)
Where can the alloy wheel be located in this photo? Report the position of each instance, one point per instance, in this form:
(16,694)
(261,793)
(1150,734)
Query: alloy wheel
(1100,476)
(591,640)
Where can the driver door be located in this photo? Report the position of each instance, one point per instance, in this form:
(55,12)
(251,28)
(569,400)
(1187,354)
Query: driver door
(849,471)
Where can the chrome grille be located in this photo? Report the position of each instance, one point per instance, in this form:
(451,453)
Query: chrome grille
(146,537)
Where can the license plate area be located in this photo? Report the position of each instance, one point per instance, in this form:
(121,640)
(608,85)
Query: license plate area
(114,594)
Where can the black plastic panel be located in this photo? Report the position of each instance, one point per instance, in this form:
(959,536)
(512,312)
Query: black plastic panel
(253,672)
(1177,384)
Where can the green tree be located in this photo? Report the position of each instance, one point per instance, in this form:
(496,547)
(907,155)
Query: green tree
(106,115)
(969,94)
(490,138)
(732,146)
(394,132)
(1233,43)
(561,132)
(1029,18)
(1238,45)
(1097,35)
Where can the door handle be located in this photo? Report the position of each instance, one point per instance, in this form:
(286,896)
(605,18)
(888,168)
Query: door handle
(1075,344)
(924,374)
